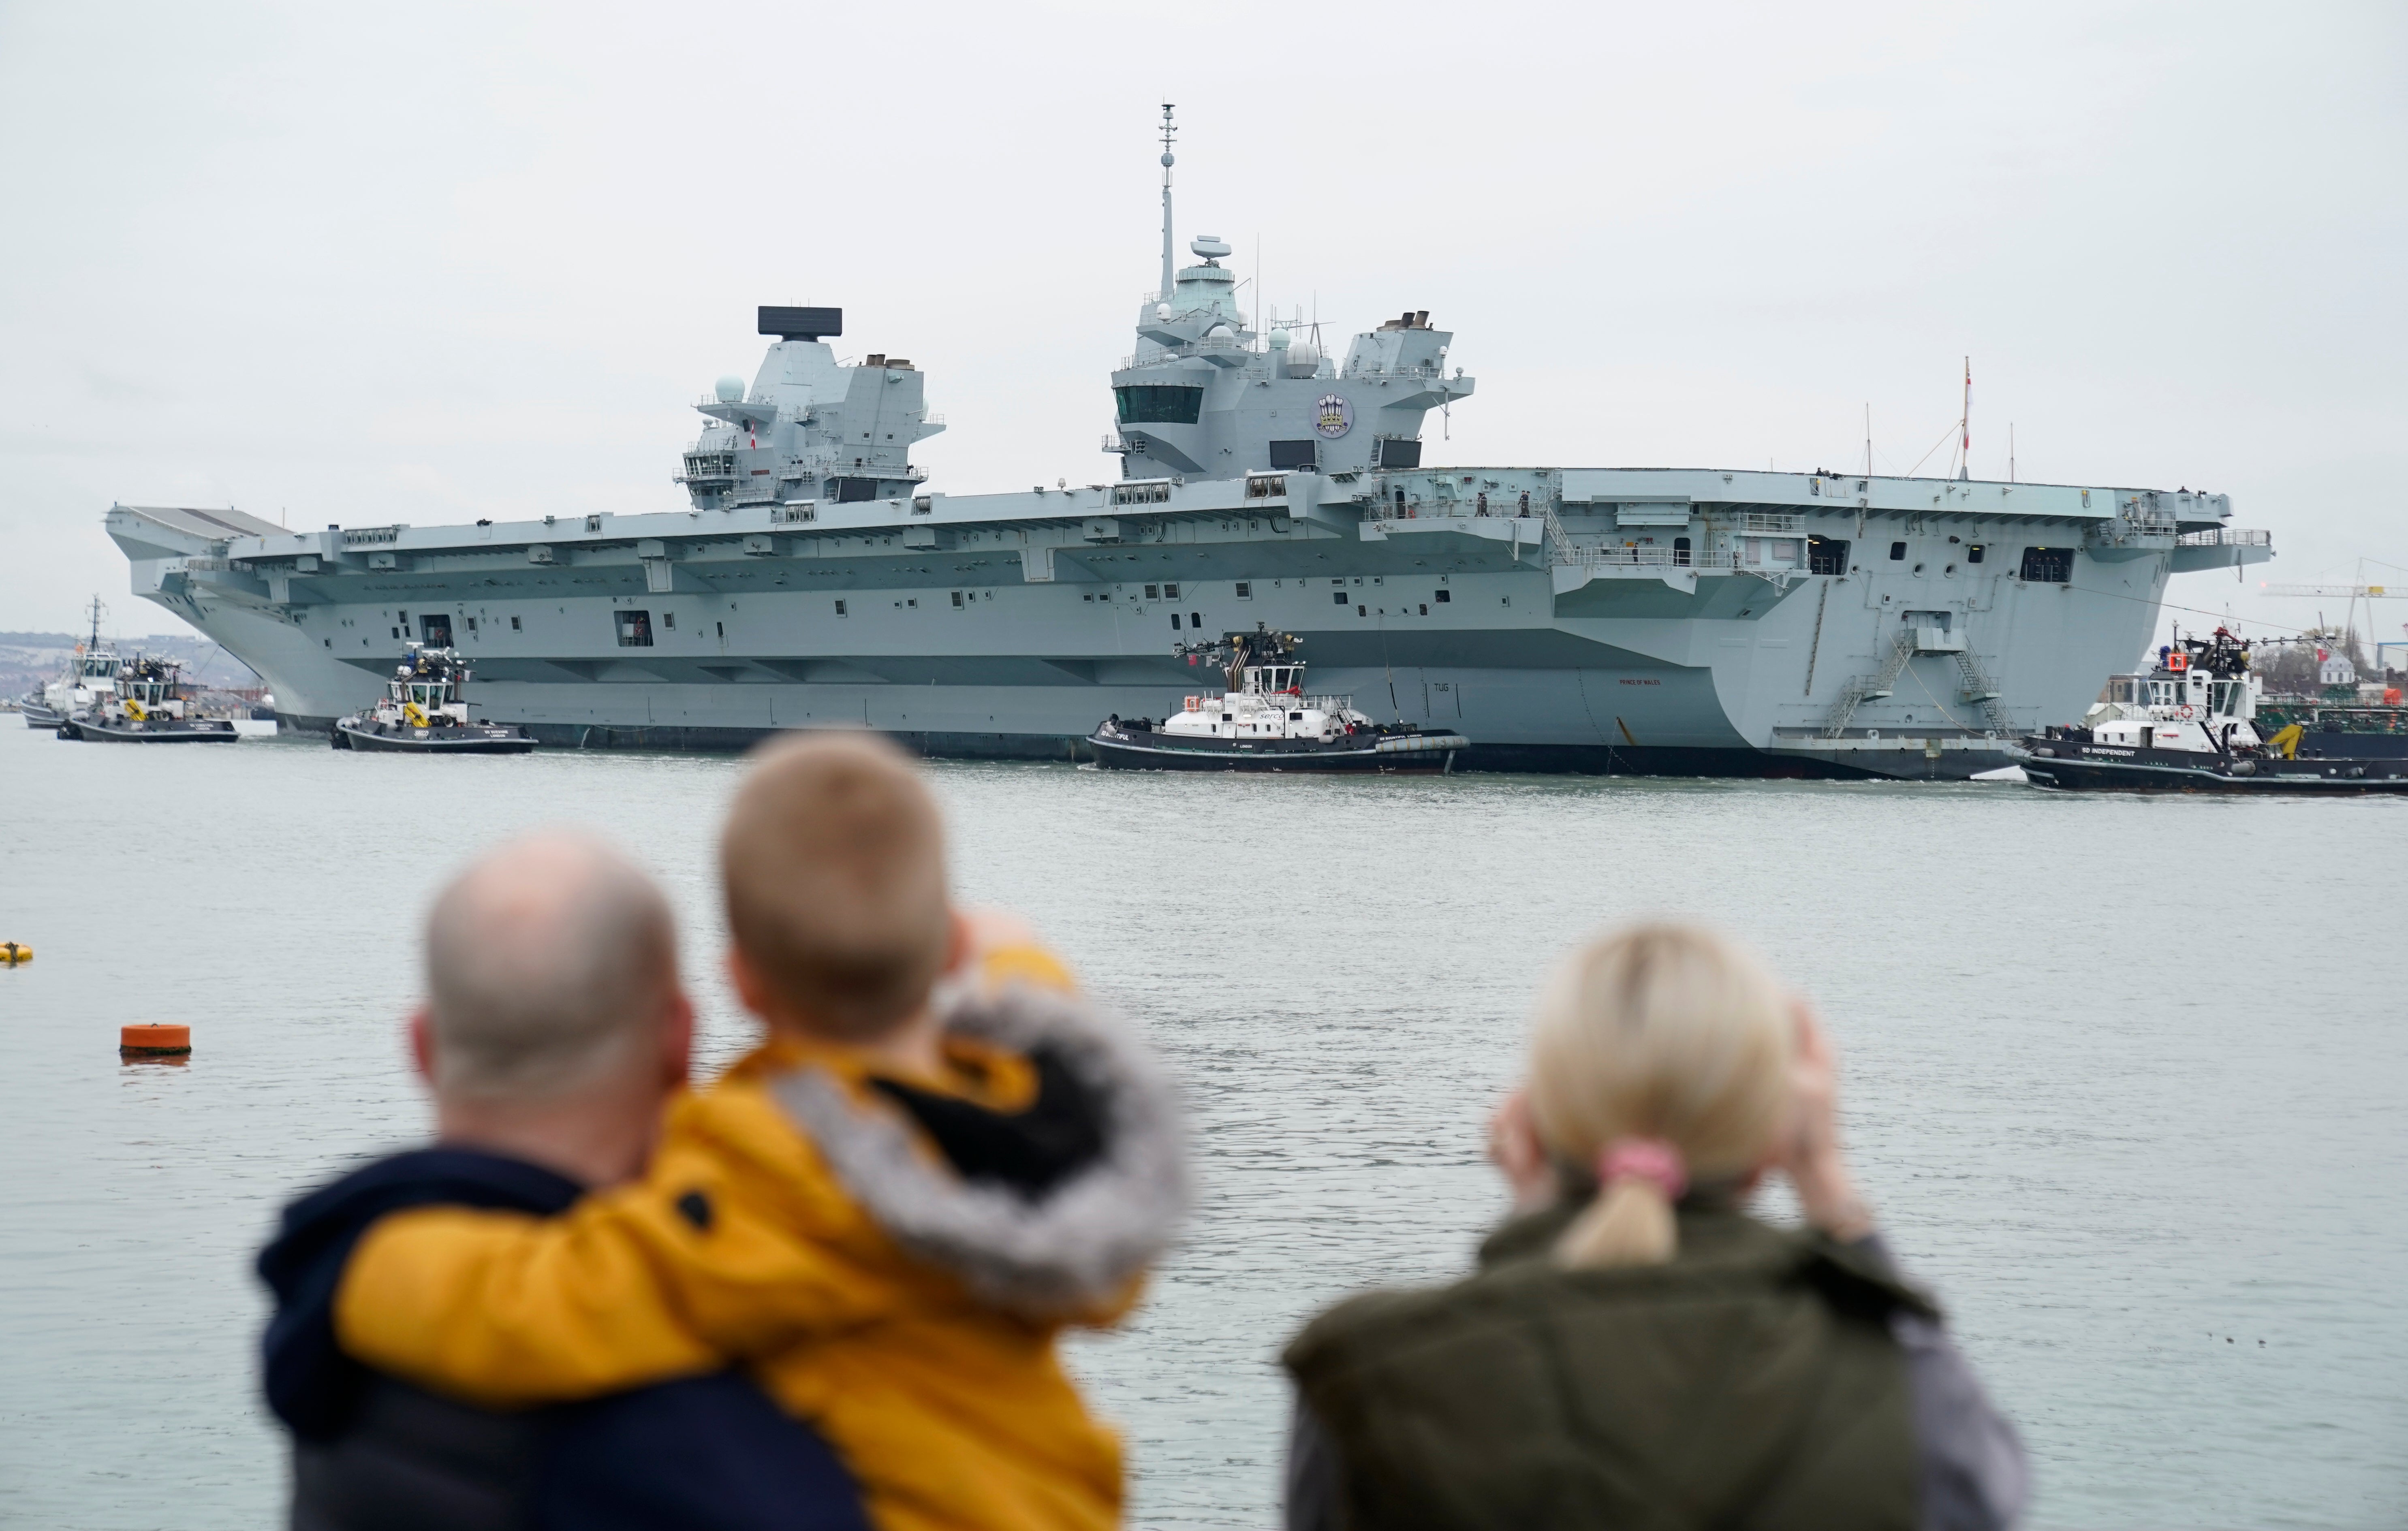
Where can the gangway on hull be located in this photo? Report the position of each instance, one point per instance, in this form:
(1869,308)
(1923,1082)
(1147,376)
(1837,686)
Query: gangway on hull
(1978,687)
(1872,688)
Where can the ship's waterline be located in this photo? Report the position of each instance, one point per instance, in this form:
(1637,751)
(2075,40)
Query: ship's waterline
(1709,621)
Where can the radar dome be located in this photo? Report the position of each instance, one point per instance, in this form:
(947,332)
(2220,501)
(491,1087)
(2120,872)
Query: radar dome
(1303,358)
(1220,332)
(1280,339)
(1209,246)
(730,390)
(1162,313)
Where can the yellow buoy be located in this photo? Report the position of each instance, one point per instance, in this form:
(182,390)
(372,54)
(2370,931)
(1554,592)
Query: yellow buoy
(13,953)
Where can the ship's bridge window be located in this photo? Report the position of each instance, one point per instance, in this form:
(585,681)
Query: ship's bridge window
(2123,689)
(2164,693)
(1159,404)
(2048,565)
(2224,698)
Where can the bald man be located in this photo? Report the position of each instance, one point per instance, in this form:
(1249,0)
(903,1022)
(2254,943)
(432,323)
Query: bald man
(553,1030)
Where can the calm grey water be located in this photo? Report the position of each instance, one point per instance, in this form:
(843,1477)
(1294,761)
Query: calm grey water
(2124,1078)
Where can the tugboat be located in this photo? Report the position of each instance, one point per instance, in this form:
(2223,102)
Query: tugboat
(2191,726)
(421,712)
(147,703)
(1266,722)
(88,673)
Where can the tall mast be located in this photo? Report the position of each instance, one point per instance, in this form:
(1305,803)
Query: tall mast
(1965,426)
(1170,132)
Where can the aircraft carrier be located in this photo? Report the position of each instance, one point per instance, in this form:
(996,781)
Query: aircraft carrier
(1681,620)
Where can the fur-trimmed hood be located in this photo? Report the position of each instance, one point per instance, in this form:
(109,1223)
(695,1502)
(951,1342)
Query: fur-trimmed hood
(1046,1244)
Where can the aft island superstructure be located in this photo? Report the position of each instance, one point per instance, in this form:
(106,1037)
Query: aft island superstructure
(1641,620)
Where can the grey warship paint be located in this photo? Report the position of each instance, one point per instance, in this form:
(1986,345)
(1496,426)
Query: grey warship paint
(1719,621)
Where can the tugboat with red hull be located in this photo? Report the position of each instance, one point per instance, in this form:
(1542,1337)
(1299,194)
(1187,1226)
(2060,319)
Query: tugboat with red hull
(2190,726)
(1266,722)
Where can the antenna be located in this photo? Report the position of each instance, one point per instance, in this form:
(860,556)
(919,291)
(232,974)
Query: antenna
(1868,439)
(1169,135)
(1965,426)
(2011,452)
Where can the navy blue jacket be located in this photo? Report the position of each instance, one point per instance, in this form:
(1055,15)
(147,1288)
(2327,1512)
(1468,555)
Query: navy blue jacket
(370,1452)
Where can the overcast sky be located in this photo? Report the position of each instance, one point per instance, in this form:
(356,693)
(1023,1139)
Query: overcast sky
(424,263)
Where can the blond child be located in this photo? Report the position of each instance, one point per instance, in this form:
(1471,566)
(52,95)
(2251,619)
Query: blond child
(938,1157)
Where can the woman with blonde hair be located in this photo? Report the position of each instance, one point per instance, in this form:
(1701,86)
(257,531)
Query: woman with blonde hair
(1636,1350)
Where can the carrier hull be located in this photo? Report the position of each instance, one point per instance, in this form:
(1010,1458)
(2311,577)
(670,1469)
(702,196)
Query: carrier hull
(1002,626)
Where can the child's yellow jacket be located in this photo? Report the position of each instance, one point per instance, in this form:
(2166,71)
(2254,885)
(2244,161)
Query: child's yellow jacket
(895,1260)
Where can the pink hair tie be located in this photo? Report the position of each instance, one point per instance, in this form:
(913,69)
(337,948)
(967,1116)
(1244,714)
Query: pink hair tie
(1644,1159)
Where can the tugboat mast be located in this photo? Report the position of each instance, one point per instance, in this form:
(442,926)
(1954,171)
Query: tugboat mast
(1170,132)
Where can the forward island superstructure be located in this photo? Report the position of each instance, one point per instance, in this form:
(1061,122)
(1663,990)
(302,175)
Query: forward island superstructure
(1698,621)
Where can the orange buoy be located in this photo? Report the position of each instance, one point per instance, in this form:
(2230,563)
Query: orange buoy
(13,953)
(154,1041)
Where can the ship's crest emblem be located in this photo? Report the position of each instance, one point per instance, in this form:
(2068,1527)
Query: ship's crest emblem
(1333,417)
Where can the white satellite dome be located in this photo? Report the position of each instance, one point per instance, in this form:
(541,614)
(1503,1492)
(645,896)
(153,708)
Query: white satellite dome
(1303,358)
(1162,313)
(1220,332)
(730,389)
(1280,339)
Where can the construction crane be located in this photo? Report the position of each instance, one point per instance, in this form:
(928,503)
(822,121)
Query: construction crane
(2350,594)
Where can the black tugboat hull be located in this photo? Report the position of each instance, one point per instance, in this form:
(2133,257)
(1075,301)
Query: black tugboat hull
(2066,765)
(1422,754)
(475,739)
(195,731)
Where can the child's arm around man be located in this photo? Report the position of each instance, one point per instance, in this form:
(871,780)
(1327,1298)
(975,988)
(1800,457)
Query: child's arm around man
(891,1206)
